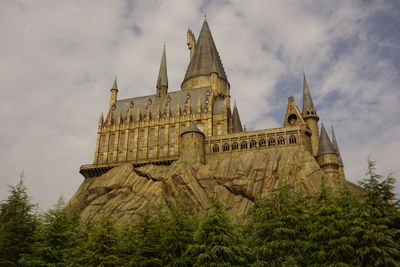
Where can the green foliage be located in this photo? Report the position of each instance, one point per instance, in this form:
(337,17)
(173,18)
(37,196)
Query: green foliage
(279,228)
(52,239)
(17,224)
(216,241)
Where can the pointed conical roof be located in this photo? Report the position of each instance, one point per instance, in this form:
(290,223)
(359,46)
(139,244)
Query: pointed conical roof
(335,145)
(307,100)
(162,74)
(115,86)
(206,58)
(325,145)
(236,123)
(191,128)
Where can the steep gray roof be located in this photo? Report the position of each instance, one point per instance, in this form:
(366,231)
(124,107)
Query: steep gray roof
(162,74)
(173,98)
(236,123)
(206,58)
(307,99)
(335,146)
(191,128)
(325,145)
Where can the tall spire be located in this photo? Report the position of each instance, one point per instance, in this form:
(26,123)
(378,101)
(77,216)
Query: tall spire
(115,86)
(236,123)
(162,81)
(308,105)
(335,145)
(205,59)
(325,145)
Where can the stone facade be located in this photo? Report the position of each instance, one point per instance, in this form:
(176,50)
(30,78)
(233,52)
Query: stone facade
(197,125)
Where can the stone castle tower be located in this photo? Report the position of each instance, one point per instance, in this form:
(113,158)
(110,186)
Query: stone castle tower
(197,124)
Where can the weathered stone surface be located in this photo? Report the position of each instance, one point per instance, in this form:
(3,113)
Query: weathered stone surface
(237,179)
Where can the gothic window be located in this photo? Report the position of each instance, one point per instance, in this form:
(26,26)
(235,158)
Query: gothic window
(101,158)
(271,141)
(130,155)
(243,145)
(120,156)
(152,137)
(131,138)
(218,129)
(152,153)
(141,138)
(110,157)
(225,147)
(253,144)
(292,139)
(216,148)
(262,143)
(112,140)
(162,135)
(140,154)
(292,119)
(281,141)
(102,143)
(172,135)
(235,146)
(121,140)
(171,150)
(161,152)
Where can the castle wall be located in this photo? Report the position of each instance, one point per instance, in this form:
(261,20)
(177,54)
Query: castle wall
(192,148)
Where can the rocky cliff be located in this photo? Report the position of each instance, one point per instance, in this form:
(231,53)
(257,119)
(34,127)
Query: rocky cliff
(237,179)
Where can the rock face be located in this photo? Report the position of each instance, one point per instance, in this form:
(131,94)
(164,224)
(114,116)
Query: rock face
(237,180)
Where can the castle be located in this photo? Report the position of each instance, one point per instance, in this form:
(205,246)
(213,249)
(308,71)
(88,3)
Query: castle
(197,123)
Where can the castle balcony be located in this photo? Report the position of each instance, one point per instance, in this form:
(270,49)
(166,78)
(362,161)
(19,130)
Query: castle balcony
(95,170)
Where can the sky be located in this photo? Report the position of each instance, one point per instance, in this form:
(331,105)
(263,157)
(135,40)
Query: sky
(59,60)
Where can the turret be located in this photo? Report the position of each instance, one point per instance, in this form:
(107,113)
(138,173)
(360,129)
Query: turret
(192,145)
(114,93)
(336,147)
(205,67)
(236,123)
(327,156)
(162,80)
(310,116)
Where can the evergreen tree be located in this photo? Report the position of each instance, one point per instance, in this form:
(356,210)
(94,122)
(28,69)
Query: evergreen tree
(17,224)
(176,236)
(52,238)
(332,241)
(216,241)
(376,228)
(279,224)
(101,247)
(146,233)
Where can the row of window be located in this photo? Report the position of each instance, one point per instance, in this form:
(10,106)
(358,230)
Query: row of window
(140,154)
(253,144)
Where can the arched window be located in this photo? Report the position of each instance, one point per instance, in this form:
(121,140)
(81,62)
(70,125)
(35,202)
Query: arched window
(253,144)
(225,147)
(243,145)
(216,148)
(235,146)
(292,139)
(262,143)
(271,141)
(281,141)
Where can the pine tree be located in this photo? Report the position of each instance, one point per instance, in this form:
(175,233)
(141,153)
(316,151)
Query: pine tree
(101,247)
(52,238)
(279,224)
(216,241)
(376,228)
(146,232)
(332,242)
(17,224)
(176,235)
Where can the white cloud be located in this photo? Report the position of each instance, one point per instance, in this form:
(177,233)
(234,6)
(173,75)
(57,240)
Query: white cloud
(59,60)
